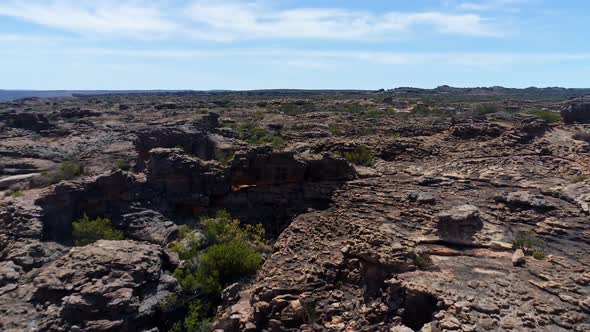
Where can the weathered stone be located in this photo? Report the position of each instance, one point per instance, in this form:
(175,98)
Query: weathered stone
(518,258)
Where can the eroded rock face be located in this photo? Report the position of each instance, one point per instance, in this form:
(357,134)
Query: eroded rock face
(30,121)
(577,112)
(459,224)
(419,241)
(104,286)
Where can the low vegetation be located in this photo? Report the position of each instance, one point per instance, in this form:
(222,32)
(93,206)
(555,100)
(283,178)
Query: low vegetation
(86,231)
(18,193)
(547,116)
(189,244)
(423,261)
(235,252)
(361,155)
(259,136)
(484,109)
(297,107)
(530,244)
(122,165)
(67,171)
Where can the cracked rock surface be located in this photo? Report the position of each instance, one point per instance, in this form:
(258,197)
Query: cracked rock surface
(419,238)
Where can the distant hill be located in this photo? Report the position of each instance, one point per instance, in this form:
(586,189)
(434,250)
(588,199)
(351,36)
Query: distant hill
(7,95)
(445,92)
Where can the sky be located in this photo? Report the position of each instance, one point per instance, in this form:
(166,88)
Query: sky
(331,44)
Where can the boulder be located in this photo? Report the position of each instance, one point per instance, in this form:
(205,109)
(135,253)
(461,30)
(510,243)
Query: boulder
(105,285)
(148,225)
(577,112)
(459,224)
(27,120)
(518,258)
(78,113)
(231,294)
(524,199)
(460,214)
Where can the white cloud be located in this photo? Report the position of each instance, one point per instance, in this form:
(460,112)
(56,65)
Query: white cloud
(236,20)
(308,58)
(491,5)
(134,18)
(240,20)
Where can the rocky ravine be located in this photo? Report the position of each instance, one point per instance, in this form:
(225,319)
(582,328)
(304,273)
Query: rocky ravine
(418,241)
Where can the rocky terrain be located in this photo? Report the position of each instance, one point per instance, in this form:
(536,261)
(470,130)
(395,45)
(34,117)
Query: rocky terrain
(392,210)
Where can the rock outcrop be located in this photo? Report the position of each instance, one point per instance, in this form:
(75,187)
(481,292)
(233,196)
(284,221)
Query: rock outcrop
(577,112)
(104,286)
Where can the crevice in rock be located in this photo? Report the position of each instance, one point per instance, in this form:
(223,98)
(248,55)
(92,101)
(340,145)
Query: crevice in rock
(181,188)
(418,309)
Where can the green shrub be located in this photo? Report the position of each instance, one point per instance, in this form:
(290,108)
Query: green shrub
(547,116)
(537,254)
(484,109)
(67,171)
(222,228)
(335,129)
(169,303)
(225,263)
(310,315)
(86,231)
(189,244)
(259,136)
(361,155)
(176,327)
(18,193)
(422,261)
(374,113)
(193,321)
(528,242)
(122,165)
(186,279)
(201,111)
(232,257)
(354,108)
(70,169)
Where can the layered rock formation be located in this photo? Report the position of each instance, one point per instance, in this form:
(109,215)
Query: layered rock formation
(420,239)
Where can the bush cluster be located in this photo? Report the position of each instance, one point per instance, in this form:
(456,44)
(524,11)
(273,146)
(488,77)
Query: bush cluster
(484,109)
(66,171)
(122,165)
(361,155)
(189,244)
(547,116)
(86,231)
(530,244)
(234,253)
(259,136)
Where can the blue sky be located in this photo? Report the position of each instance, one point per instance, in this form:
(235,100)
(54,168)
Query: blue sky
(370,44)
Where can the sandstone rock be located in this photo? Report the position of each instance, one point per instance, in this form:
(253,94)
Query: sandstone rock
(78,113)
(518,258)
(31,121)
(460,224)
(148,225)
(422,198)
(576,112)
(525,199)
(9,181)
(98,283)
(459,214)
(231,294)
